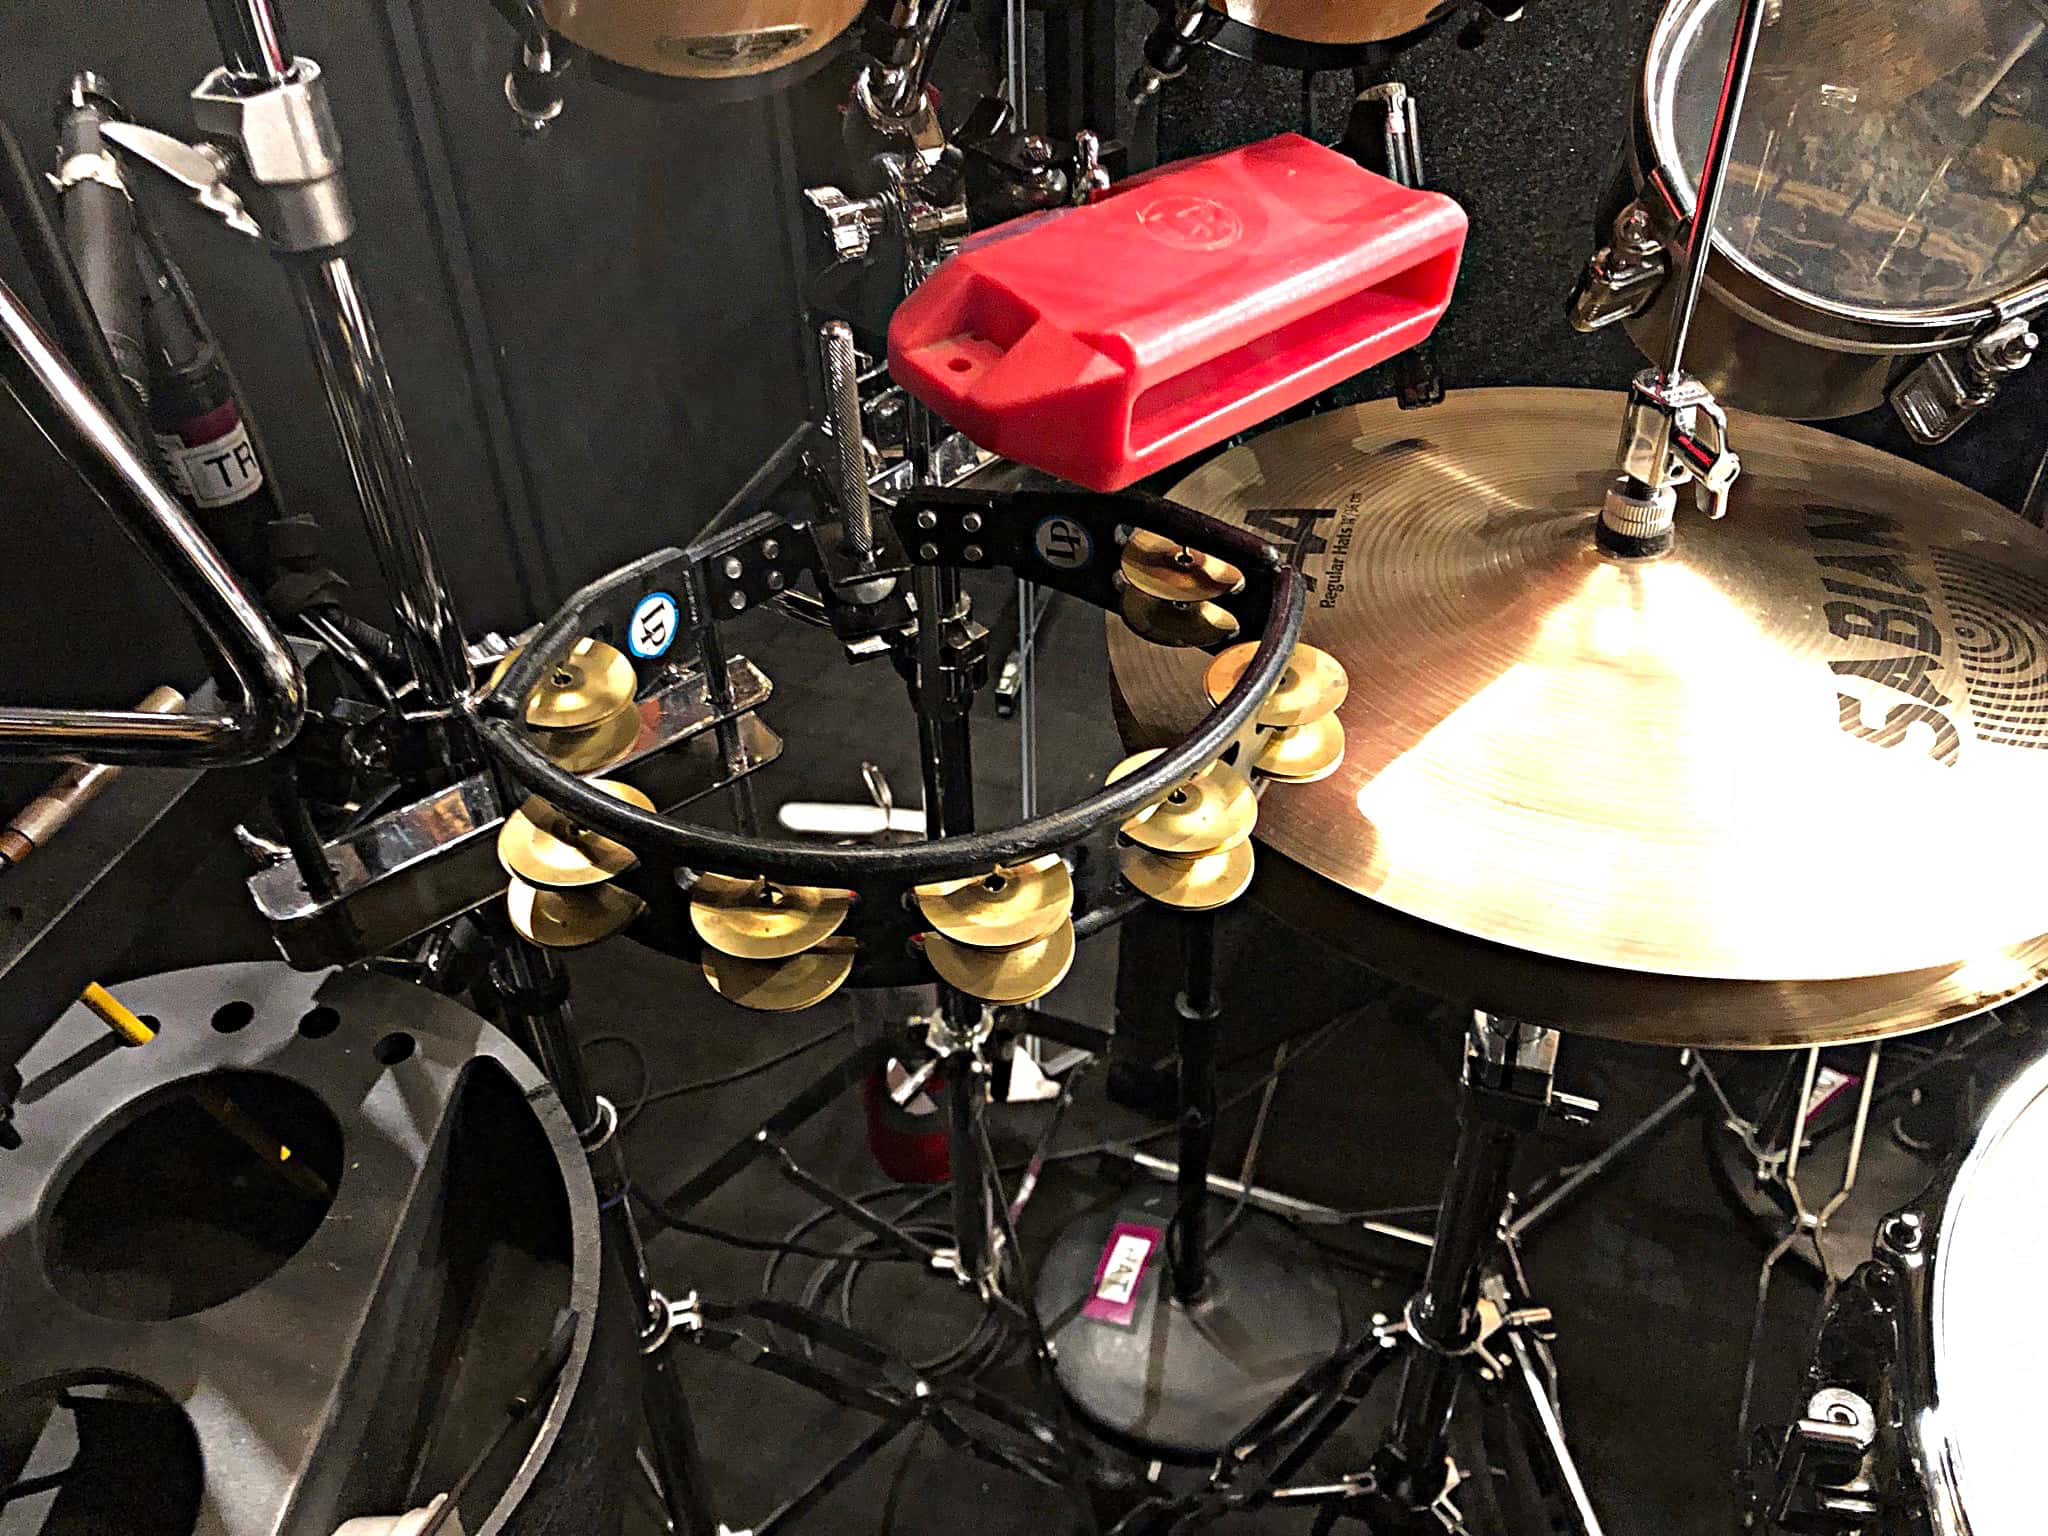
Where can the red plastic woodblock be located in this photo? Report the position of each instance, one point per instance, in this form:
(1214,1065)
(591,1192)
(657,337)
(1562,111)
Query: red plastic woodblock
(1107,342)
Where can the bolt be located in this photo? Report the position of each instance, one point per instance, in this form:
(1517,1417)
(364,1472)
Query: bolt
(927,521)
(1903,1232)
(971,523)
(927,551)
(971,553)
(738,601)
(733,568)
(770,549)
(775,581)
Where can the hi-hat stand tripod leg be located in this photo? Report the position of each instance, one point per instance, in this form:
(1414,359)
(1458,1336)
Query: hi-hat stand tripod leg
(1163,1334)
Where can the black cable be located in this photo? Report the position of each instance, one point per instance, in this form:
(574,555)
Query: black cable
(898,1479)
(647,1095)
(662,1216)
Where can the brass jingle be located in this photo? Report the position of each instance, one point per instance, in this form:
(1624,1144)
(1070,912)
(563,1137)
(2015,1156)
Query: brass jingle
(781,986)
(1012,905)
(1312,685)
(593,682)
(544,846)
(1302,754)
(1214,810)
(1198,884)
(760,920)
(1172,572)
(570,919)
(1016,974)
(590,750)
(1180,625)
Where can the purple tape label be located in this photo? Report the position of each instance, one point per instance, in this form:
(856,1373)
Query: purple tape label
(1114,1297)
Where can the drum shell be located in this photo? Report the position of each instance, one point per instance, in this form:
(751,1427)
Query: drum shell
(705,40)
(1756,344)
(1323,34)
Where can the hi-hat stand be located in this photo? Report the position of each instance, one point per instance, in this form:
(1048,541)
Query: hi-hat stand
(1470,1328)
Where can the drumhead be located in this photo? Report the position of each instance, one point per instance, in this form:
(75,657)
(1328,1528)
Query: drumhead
(1981,1446)
(1892,158)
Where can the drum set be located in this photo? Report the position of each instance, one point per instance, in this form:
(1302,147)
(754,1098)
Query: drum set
(1456,684)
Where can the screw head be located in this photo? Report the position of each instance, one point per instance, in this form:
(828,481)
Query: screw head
(1904,1232)
(737,601)
(733,568)
(770,549)
(927,521)
(927,551)
(971,523)
(971,553)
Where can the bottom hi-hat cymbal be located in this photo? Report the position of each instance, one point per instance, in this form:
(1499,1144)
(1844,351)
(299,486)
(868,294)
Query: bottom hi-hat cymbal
(1790,748)
(589,749)
(544,846)
(1700,1013)
(1302,754)
(760,920)
(1312,685)
(1215,809)
(1177,625)
(781,986)
(570,919)
(1197,884)
(1016,974)
(1011,905)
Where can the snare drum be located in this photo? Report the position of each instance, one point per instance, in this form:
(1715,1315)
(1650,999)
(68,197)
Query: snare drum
(1887,199)
(1925,1415)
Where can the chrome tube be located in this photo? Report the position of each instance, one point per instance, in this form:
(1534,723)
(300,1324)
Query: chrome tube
(366,418)
(262,672)
(252,41)
(898,89)
(1706,203)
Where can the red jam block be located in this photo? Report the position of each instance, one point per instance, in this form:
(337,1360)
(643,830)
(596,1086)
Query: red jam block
(1107,342)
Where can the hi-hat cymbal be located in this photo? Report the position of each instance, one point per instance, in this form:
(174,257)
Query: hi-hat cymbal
(781,986)
(1806,744)
(1012,905)
(570,919)
(1194,884)
(593,682)
(592,748)
(1215,809)
(1013,975)
(1176,624)
(760,920)
(1302,754)
(1312,685)
(543,846)
(1170,571)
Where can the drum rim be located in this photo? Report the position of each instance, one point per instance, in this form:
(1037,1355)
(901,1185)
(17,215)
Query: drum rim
(1933,1448)
(1656,153)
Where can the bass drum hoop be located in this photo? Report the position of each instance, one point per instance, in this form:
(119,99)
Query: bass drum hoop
(1754,297)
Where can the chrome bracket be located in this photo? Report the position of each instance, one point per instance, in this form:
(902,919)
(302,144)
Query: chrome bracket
(1945,392)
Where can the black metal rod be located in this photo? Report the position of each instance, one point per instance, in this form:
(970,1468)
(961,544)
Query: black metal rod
(1443,1313)
(1196,1010)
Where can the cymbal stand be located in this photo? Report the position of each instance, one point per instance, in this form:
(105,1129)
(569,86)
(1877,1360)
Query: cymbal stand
(1470,1323)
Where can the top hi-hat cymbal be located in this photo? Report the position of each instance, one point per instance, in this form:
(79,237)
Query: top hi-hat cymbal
(545,847)
(1170,571)
(1012,905)
(760,920)
(593,682)
(1215,809)
(1808,743)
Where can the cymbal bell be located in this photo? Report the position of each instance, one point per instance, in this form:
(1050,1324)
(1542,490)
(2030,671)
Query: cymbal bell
(781,986)
(1301,754)
(570,919)
(1215,809)
(591,749)
(1312,685)
(545,847)
(1166,569)
(761,920)
(593,682)
(1011,905)
(1014,974)
(1200,883)
(1178,625)
(1796,747)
